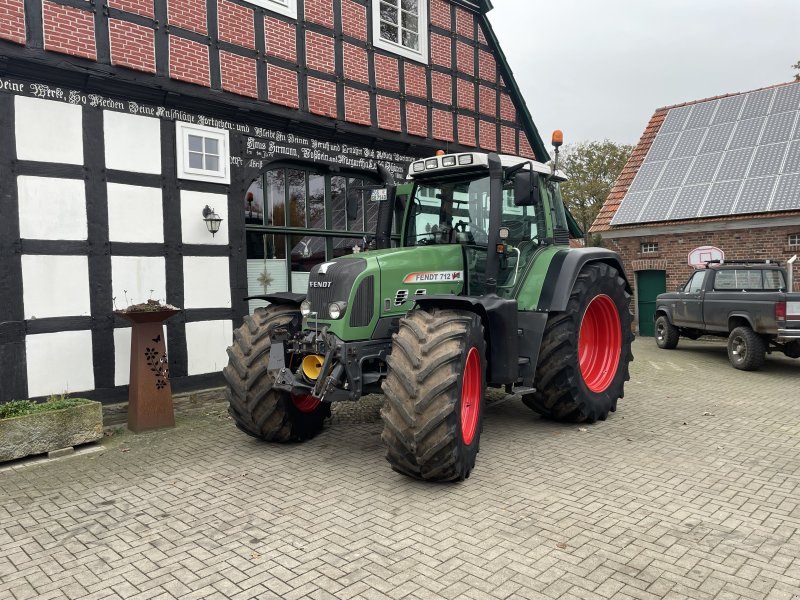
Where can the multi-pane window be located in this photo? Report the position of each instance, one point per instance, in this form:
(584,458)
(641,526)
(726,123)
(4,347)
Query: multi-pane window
(203,153)
(401,26)
(649,247)
(794,239)
(284,7)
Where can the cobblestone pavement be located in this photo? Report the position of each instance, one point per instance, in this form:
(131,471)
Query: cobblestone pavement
(690,490)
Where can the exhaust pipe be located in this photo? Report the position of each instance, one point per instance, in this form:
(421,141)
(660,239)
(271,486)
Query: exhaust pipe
(790,273)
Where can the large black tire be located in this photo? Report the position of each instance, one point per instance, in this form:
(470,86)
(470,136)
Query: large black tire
(566,390)
(747,350)
(667,334)
(257,408)
(433,413)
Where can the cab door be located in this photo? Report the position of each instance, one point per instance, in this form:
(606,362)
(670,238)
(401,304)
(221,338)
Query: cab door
(689,308)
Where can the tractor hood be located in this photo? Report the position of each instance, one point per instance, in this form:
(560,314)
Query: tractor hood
(381,283)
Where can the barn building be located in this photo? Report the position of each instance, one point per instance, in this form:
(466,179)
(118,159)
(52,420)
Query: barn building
(712,179)
(122,120)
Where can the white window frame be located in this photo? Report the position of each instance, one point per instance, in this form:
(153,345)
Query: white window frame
(183,130)
(420,55)
(794,239)
(648,247)
(282,7)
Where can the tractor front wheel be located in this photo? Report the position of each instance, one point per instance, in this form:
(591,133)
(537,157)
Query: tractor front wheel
(433,412)
(255,406)
(583,360)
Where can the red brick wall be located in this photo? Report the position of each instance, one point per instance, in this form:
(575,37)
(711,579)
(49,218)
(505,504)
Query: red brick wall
(238,74)
(416,81)
(387,73)
(508,140)
(354,19)
(356,106)
(319,52)
(281,39)
(417,119)
(188,61)
(737,244)
(388,113)
(466,130)
(507,110)
(132,46)
(465,57)
(487,66)
(488,97)
(488,139)
(440,14)
(356,65)
(320,11)
(236,24)
(466,94)
(441,87)
(465,23)
(187,14)
(69,30)
(441,53)
(525,146)
(12,21)
(322,97)
(139,7)
(443,125)
(282,86)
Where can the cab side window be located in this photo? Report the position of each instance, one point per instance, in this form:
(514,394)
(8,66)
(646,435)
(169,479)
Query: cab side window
(695,284)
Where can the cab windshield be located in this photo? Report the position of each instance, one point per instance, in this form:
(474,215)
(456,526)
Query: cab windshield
(457,212)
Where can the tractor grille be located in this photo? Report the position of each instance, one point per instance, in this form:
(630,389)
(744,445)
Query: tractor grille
(341,275)
(364,303)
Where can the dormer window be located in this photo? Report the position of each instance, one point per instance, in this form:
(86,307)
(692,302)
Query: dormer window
(401,27)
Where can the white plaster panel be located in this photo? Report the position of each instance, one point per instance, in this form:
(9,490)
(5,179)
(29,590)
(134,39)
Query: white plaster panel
(206,344)
(206,282)
(55,286)
(137,278)
(51,208)
(133,142)
(59,363)
(135,213)
(48,131)
(193,227)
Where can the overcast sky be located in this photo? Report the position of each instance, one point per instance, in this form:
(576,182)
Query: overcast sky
(598,69)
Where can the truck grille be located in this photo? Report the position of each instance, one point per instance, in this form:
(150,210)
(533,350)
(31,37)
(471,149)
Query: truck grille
(364,303)
(340,275)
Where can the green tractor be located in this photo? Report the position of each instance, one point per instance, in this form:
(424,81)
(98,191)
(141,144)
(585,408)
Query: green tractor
(482,290)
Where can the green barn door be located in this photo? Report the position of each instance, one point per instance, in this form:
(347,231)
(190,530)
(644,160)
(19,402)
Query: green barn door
(649,284)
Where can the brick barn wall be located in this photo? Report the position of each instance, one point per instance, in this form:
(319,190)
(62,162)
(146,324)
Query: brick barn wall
(316,63)
(673,250)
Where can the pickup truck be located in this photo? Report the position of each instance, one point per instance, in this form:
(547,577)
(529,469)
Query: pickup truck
(746,302)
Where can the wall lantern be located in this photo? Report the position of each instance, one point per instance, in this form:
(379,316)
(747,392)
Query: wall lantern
(212,220)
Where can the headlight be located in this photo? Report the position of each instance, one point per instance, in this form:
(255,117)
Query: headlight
(305,308)
(465,159)
(449,161)
(336,309)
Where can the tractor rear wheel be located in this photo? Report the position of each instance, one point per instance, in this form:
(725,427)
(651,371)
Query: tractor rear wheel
(433,413)
(583,360)
(255,406)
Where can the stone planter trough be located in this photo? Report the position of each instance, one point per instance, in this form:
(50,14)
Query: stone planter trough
(46,431)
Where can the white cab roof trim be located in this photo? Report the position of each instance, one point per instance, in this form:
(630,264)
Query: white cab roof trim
(480,159)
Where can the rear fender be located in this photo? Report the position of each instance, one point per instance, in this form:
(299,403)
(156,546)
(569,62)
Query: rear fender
(563,272)
(738,320)
(499,317)
(280,298)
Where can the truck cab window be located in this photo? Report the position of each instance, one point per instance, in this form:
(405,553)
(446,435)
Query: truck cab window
(695,284)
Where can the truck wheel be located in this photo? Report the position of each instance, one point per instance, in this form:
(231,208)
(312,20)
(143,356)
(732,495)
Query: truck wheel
(583,361)
(666,334)
(433,413)
(746,349)
(257,408)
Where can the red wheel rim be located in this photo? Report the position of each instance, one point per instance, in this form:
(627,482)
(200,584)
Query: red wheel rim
(471,396)
(599,343)
(305,404)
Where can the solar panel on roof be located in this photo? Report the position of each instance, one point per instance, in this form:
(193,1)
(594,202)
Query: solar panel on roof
(787,193)
(688,202)
(703,169)
(733,155)
(756,195)
(787,98)
(647,176)
(778,128)
(717,138)
(792,162)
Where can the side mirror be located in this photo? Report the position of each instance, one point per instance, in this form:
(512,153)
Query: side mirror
(526,188)
(353,202)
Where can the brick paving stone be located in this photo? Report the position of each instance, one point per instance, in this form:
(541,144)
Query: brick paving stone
(659,501)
